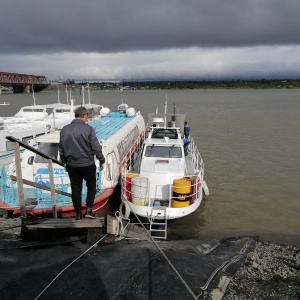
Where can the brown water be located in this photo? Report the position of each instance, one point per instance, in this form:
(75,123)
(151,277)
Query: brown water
(249,141)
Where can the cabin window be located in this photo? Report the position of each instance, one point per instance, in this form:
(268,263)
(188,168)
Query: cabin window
(62,111)
(48,149)
(9,146)
(26,139)
(33,110)
(160,133)
(159,151)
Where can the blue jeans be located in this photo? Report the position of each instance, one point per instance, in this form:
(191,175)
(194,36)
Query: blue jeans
(186,143)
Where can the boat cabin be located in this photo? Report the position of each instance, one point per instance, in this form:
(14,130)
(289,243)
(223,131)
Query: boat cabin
(32,113)
(122,107)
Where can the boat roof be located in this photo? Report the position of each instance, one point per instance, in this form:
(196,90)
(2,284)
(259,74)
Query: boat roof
(33,107)
(59,105)
(104,127)
(107,126)
(55,105)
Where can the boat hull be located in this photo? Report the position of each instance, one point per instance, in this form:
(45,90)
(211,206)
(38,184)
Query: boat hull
(62,212)
(171,213)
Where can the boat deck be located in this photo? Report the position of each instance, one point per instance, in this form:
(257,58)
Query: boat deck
(105,127)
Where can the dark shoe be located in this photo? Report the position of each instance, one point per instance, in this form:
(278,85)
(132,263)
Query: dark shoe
(78,217)
(90,214)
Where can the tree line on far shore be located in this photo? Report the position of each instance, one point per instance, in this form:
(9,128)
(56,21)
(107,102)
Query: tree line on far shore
(188,84)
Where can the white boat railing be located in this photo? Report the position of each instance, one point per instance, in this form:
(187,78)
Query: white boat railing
(134,153)
(139,194)
(195,156)
(14,195)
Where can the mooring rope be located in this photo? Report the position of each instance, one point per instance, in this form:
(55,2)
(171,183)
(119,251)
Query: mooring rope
(166,258)
(120,227)
(69,265)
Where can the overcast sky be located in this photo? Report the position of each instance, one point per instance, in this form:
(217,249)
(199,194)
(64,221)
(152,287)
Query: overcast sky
(151,40)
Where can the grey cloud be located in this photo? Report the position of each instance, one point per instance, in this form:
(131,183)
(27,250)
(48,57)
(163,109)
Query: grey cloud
(110,26)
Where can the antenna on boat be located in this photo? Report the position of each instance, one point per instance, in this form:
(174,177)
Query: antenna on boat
(165,125)
(33,95)
(72,109)
(174,113)
(70,93)
(67,93)
(82,88)
(89,94)
(57,94)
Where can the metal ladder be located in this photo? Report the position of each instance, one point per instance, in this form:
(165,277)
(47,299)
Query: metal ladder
(158,227)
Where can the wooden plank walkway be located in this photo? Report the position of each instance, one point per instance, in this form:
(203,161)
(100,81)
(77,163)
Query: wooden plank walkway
(67,223)
(96,227)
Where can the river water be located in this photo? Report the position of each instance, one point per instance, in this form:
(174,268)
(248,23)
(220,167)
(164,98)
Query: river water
(249,141)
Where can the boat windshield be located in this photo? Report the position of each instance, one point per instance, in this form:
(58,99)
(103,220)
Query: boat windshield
(49,149)
(160,133)
(159,151)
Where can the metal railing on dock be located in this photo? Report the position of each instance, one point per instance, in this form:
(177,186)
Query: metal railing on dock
(18,178)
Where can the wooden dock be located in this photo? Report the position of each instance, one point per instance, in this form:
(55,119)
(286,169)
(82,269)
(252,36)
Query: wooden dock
(67,223)
(96,228)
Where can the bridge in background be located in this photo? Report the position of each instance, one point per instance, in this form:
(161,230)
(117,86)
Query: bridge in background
(22,82)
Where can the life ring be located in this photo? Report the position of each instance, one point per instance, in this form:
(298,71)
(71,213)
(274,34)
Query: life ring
(124,210)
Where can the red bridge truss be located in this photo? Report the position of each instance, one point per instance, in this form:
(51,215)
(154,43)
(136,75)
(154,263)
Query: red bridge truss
(13,78)
(20,81)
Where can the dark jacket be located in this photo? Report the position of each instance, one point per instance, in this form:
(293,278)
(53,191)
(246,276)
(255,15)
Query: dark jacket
(186,128)
(79,144)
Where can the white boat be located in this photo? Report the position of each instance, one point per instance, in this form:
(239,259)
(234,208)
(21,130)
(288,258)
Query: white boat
(119,135)
(35,120)
(21,129)
(167,180)
(4,103)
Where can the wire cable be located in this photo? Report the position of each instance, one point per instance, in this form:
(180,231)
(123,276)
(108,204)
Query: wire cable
(166,258)
(69,265)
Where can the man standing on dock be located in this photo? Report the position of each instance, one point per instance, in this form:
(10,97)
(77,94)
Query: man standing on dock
(77,148)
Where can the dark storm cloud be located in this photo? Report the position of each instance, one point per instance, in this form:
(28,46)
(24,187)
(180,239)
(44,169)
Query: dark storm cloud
(107,26)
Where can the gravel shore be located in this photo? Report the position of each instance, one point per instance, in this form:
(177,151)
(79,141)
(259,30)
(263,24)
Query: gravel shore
(270,271)
(10,229)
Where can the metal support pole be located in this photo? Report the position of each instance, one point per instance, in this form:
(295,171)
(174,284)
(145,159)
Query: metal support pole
(52,187)
(19,179)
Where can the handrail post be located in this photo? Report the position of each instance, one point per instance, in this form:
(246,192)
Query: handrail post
(52,187)
(19,179)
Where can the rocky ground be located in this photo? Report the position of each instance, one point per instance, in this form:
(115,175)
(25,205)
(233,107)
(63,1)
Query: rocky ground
(270,272)
(10,229)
